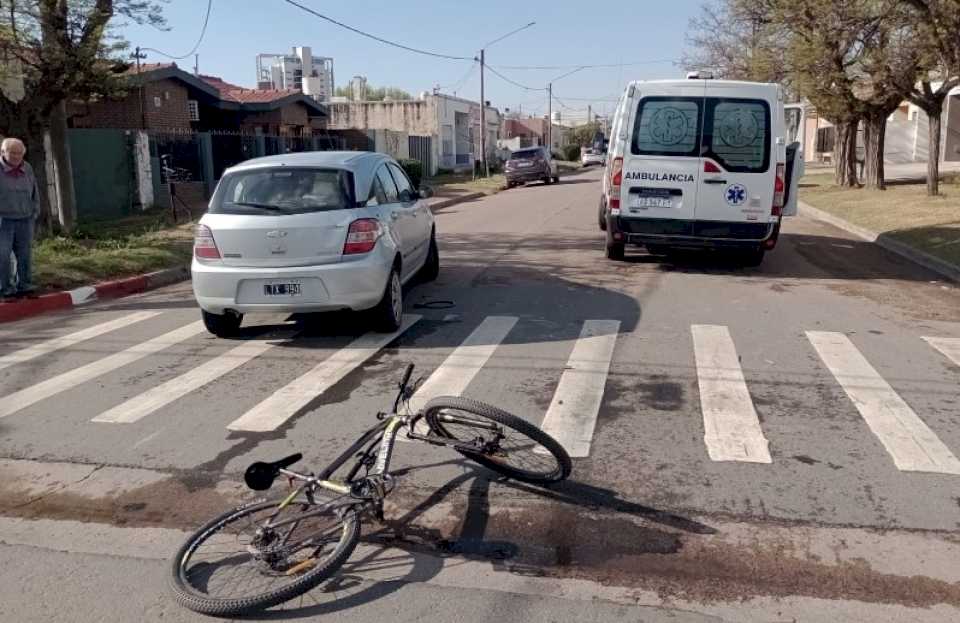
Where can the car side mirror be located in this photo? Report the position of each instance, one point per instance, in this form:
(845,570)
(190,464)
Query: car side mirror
(425,192)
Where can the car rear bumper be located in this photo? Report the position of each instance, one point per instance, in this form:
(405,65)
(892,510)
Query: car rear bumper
(355,284)
(526,175)
(690,233)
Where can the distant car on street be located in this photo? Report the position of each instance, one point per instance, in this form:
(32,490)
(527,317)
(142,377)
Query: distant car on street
(530,165)
(591,156)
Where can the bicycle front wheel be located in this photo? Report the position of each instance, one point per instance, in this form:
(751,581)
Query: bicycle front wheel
(512,446)
(233,566)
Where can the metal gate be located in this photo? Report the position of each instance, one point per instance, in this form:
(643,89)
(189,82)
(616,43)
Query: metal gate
(104,175)
(421,148)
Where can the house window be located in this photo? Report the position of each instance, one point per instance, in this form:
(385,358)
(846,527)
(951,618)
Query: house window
(166,95)
(193,110)
(157,102)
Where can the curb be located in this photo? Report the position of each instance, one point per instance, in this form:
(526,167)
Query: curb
(25,308)
(921,258)
(446,203)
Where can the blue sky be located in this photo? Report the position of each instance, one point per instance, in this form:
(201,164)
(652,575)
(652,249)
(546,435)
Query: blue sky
(567,32)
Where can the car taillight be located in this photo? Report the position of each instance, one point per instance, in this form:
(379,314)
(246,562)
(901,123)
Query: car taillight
(362,236)
(778,191)
(204,246)
(616,177)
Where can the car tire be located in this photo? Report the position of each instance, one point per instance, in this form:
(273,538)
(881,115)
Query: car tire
(556,179)
(602,219)
(431,267)
(222,325)
(546,180)
(615,250)
(388,314)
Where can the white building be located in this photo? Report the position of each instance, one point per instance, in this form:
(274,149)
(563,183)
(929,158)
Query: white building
(358,88)
(301,71)
(448,126)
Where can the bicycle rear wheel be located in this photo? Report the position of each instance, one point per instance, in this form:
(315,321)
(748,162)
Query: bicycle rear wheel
(518,450)
(227,569)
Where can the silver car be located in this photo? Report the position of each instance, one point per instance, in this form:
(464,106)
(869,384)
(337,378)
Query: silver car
(309,232)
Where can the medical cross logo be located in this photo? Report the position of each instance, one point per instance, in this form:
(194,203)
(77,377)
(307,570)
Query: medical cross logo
(736,194)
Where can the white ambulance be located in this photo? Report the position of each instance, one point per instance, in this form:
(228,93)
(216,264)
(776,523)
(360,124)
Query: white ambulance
(699,163)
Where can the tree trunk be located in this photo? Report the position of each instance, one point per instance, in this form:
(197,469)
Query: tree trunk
(60,149)
(845,154)
(874,133)
(933,153)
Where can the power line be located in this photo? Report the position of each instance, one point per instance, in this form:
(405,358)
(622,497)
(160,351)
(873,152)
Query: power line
(514,83)
(203,31)
(376,38)
(459,83)
(594,66)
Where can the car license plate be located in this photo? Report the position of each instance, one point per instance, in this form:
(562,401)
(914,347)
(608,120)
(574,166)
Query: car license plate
(642,202)
(281,289)
(524,164)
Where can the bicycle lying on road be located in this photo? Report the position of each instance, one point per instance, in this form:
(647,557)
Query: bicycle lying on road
(265,553)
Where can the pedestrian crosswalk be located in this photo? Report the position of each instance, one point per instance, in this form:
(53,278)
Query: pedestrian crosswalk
(731,428)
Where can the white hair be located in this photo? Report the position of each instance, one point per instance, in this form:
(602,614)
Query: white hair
(8,143)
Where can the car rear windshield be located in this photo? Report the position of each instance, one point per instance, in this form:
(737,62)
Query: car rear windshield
(733,132)
(283,190)
(525,154)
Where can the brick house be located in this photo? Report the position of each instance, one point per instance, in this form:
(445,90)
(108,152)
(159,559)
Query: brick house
(164,97)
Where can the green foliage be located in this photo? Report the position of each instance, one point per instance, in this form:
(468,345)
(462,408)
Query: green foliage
(414,170)
(571,153)
(375,94)
(582,136)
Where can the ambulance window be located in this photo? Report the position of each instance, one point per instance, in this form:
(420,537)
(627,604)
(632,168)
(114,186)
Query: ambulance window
(737,134)
(667,126)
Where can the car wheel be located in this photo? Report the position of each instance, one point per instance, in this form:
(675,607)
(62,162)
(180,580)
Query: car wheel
(431,267)
(546,180)
(602,217)
(388,314)
(556,179)
(222,325)
(615,250)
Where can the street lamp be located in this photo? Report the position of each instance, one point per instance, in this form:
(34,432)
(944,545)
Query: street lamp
(483,102)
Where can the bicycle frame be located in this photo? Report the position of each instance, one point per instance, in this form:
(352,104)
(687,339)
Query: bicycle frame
(377,442)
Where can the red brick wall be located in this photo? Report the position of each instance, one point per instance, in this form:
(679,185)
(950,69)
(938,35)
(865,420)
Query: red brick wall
(125,114)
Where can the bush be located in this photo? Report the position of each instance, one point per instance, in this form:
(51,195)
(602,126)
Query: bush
(414,170)
(571,153)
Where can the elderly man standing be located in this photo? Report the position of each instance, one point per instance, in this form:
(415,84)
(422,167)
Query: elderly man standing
(19,208)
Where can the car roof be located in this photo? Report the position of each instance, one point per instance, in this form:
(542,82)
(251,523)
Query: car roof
(363,164)
(770,90)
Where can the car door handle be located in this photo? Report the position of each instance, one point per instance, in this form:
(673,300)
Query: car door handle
(714,180)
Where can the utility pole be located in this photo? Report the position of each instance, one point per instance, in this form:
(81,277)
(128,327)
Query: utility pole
(589,116)
(143,117)
(483,120)
(550,117)
(196,64)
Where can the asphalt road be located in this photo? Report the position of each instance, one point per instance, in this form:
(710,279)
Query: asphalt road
(709,361)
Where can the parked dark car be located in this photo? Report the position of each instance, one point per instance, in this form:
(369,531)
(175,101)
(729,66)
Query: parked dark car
(531,164)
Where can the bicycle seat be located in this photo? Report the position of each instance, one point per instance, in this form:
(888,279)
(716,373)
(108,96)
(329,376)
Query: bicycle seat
(260,475)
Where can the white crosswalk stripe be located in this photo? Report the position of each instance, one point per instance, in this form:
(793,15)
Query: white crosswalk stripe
(949,346)
(35,393)
(573,411)
(911,443)
(65,341)
(158,397)
(731,427)
(455,373)
(285,402)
